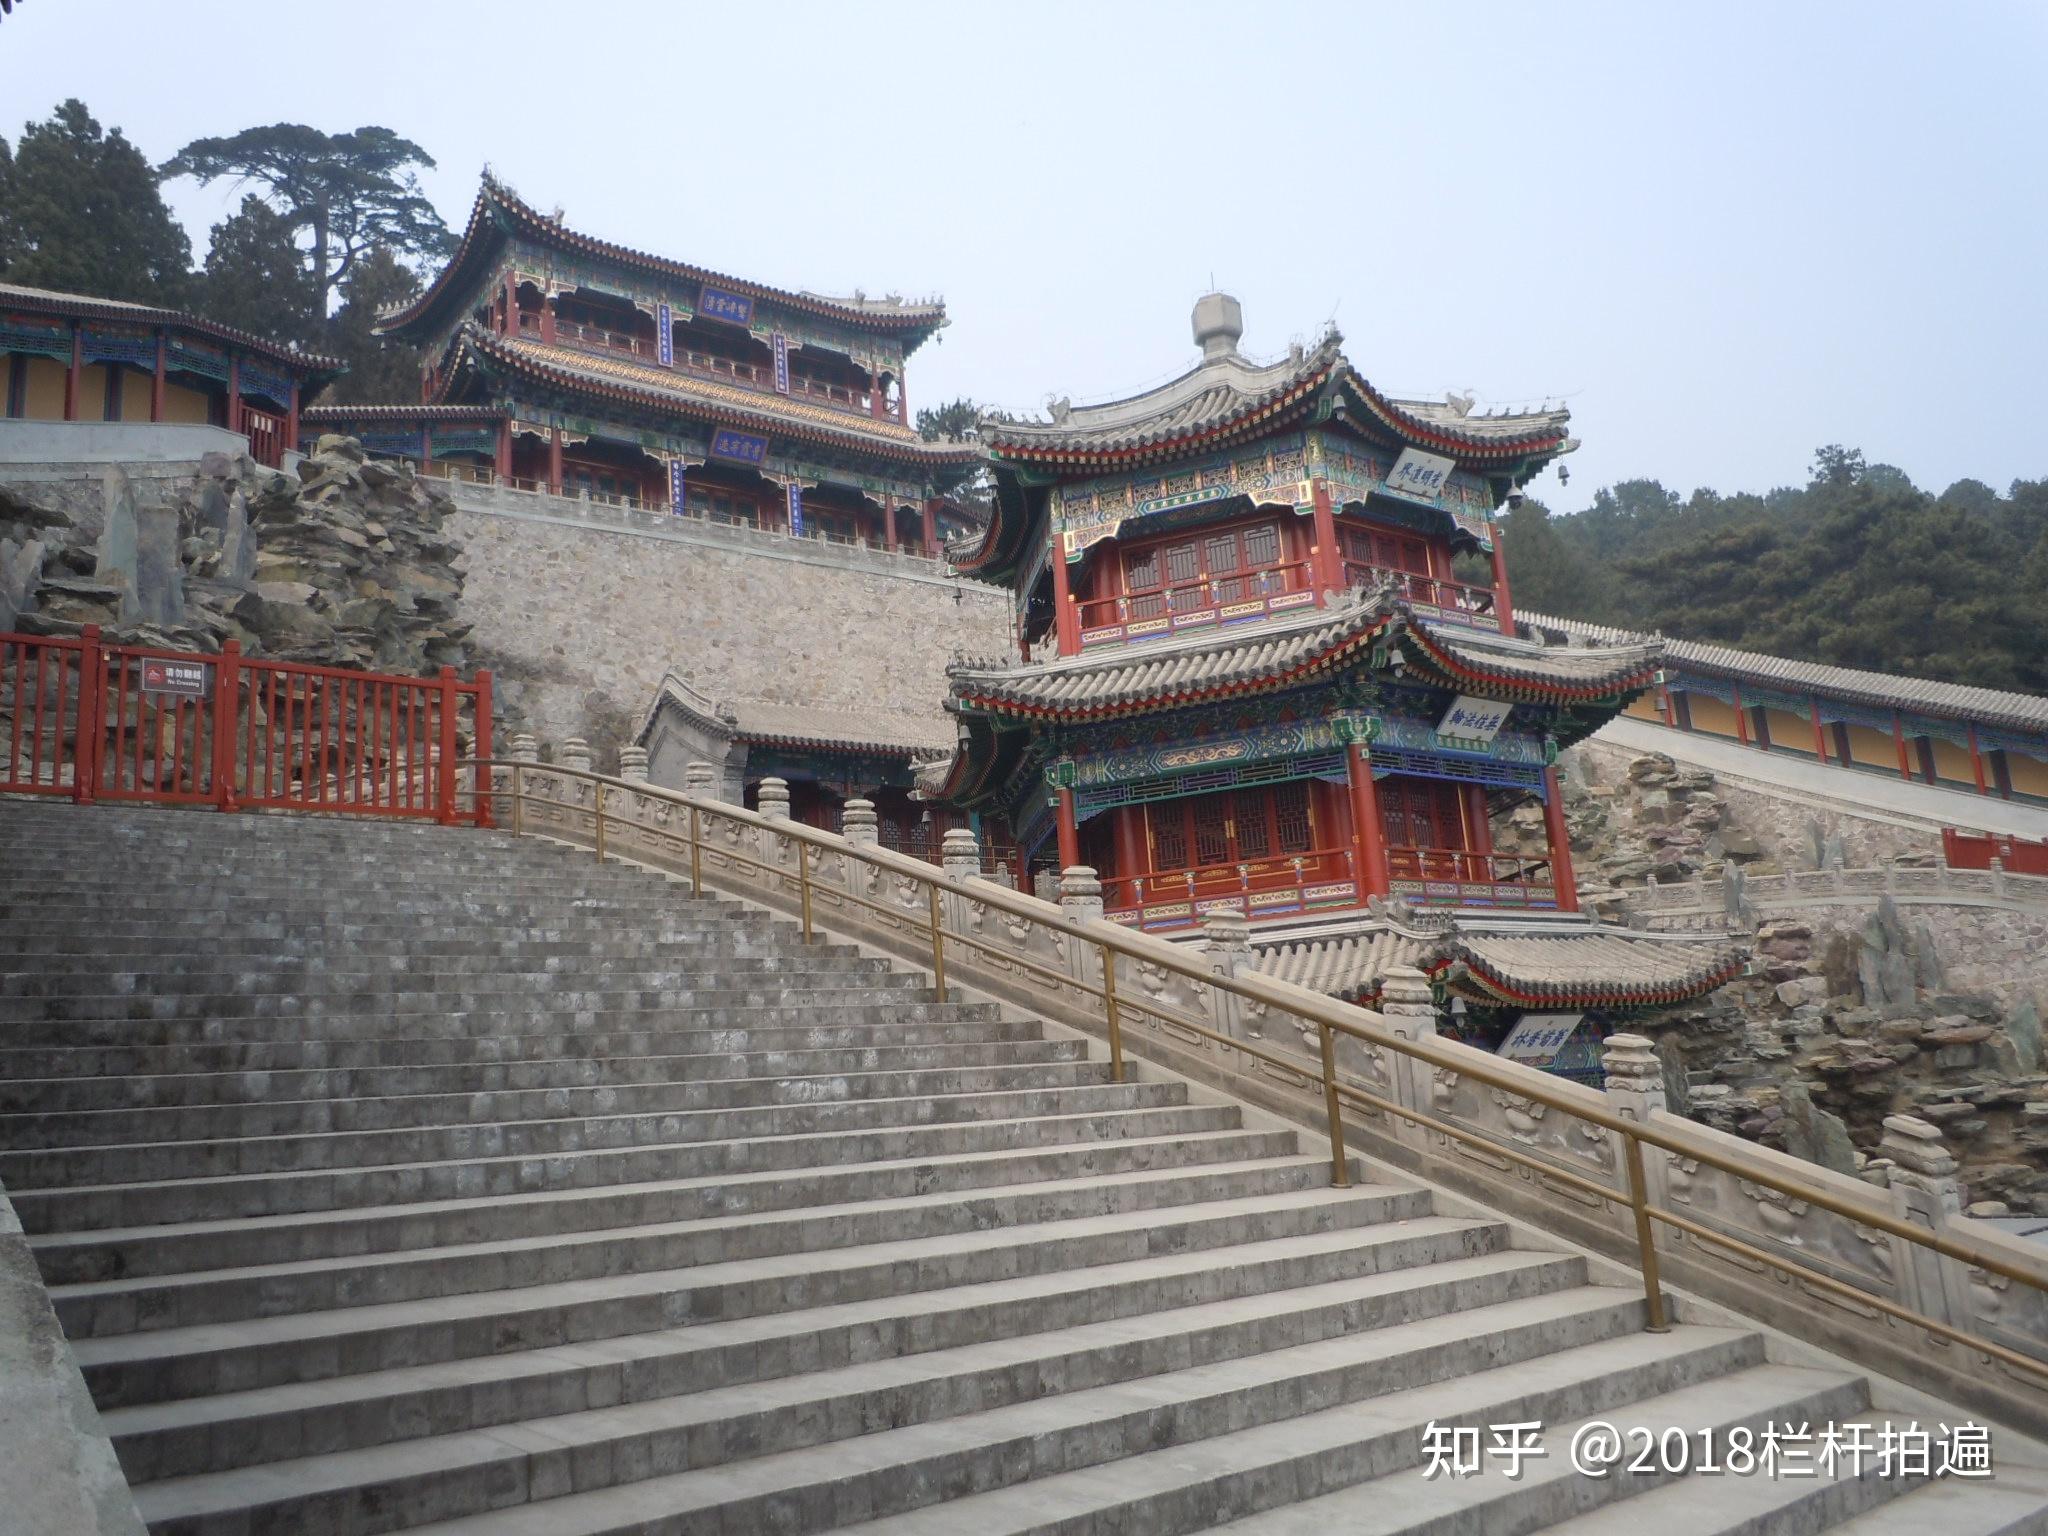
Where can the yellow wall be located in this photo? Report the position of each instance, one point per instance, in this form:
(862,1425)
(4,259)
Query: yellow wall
(92,392)
(134,395)
(183,404)
(44,400)
(1793,733)
(1952,763)
(1873,749)
(2029,775)
(1710,716)
(1644,707)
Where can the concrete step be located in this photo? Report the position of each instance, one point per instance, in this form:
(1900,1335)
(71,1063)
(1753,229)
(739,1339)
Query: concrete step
(2014,1503)
(354,1232)
(84,1207)
(1070,1417)
(123,1368)
(298,1117)
(696,961)
(95,1309)
(552,1136)
(1064,1330)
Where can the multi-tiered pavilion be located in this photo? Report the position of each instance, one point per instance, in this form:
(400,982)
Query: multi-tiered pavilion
(1270,667)
(559,362)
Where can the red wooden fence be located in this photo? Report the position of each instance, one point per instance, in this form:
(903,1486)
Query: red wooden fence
(117,722)
(2018,856)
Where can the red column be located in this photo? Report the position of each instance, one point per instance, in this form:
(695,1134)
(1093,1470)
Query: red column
(1899,737)
(426,448)
(1670,709)
(156,383)
(227,689)
(290,432)
(547,318)
(1132,861)
(449,701)
(503,463)
(1066,617)
(92,709)
(888,527)
(875,392)
(508,322)
(555,460)
(480,749)
(1503,599)
(1741,719)
(1478,826)
(1560,841)
(1820,737)
(1977,762)
(931,530)
(234,393)
(1368,836)
(1070,831)
(1326,568)
(72,373)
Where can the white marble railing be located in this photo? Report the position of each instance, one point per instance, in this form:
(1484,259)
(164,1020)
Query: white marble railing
(1907,885)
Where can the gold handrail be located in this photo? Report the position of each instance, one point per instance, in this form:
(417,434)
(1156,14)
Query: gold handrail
(1332,1018)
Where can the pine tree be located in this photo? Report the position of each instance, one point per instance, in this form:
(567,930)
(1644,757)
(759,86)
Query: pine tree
(256,280)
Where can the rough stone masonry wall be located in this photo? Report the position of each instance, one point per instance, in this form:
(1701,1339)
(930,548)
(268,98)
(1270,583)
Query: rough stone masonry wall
(578,622)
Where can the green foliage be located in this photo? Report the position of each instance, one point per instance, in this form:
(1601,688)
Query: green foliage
(6,203)
(256,278)
(380,371)
(957,419)
(345,194)
(82,214)
(1858,569)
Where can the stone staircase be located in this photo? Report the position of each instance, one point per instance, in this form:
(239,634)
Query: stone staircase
(391,1177)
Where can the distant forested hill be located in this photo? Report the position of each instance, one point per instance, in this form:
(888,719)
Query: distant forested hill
(1859,568)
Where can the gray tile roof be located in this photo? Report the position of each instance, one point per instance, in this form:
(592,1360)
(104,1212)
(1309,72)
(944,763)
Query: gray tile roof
(2017,711)
(1588,666)
(881,731)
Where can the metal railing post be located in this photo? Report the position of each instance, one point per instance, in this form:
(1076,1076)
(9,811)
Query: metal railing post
(600,821)
(1113,1014)
(1340,1165)
(938,944)
(803,883)
(696,854)
(1646,1240)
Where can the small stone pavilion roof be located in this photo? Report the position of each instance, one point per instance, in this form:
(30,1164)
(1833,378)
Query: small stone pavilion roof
(1552,960)
(881,733)
(1281,652)
(500,215)
(1885,690)
(626,382)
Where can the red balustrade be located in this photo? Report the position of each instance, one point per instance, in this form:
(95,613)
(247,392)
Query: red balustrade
(2015,855)
(1204,595)
(1316,879)
(1453,598)
(107,722)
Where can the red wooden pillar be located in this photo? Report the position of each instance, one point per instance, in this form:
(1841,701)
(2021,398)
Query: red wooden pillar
(1899,739)
(289,434)
(234,393)
(480,749)
(1503,599)
(1559,838)
(1478,825)
(555,461)
(1368,835)
(1132,861)
(75,371)
(1070,831)
(1976,761)
(547,318)
(156,382)
(503,459)
(1326,567)
(875,407)
(902,399)
(931,529)
(426,448)
(227,694)
(1670,709)
(888,528)
(450,700)
(1741,719)
(92,713)
(1820,736)
(508,322)
(1066,617)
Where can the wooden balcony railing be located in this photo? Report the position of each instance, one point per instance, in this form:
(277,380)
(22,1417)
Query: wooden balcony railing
(1325,878)
(1454,598)
(1202,594)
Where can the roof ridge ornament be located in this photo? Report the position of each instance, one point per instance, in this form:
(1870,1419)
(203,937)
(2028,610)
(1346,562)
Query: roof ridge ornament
(1218,323)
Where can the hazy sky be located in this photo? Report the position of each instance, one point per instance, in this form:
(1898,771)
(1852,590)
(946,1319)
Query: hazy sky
(1724,233)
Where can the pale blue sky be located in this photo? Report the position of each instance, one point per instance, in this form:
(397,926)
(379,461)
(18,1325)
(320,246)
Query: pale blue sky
(1725,233)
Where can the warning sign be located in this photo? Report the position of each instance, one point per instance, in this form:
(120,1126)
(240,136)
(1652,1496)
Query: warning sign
(186,679)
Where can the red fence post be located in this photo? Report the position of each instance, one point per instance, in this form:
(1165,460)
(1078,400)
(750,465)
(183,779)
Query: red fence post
(481,750)
(92,687)
(227,688)
(444,807)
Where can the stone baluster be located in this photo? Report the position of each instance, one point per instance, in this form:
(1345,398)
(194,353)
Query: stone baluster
(1227,946)
(960,854)
(1410,1011)
(774,800)
(698,779)
(859,824)
(1081,894)
(1923,1180)
(1636,1090)
(633,764)
(524,747)
(575,753)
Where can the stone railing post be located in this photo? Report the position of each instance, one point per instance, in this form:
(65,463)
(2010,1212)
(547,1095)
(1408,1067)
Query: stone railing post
(859,825)
(1923,1177)
(1227,945)
(699,777)
(523,747)
(1998,877)
(1081,894)
(771,847)
(1410,1011)
(575,753)
(774,800)
(633,764)
(1635,1091)
(960,854)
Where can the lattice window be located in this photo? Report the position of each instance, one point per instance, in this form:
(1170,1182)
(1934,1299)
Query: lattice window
(1182,563)
(1290,816)
(1212,829)
(1250,815)
(1169,836)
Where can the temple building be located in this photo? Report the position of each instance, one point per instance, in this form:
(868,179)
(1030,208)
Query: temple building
(1268,665)
(70,357)
(564,364)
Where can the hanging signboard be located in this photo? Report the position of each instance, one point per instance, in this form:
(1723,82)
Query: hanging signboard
(676,487)
(665,336)
(1537,1039)
(1474,720)
(781,363)
(732,308)
(796,510)
(184,679)
(740,446)
(1419,476)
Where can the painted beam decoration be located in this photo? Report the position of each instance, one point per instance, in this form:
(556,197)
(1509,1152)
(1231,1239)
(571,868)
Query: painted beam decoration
(1273,474)
(740,447)
(732,308)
